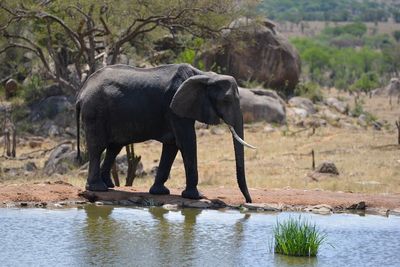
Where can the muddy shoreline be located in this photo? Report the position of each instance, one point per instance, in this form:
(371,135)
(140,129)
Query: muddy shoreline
(60,194)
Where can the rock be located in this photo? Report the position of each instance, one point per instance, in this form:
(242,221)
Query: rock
(125,202)
(200,204)
(53,114)
(261,107)
(256,51)
(324,171)
(262,207)
(378,211)
(337,105)
(217,131)
(320,209)
(327,167)
(53,131)
(303,103)
(269,129)
(136,200)
(50,107)
(377,125)
(357,206)
(61,160)
(71,131)
(362,120)
(10,171)
(153,171)
(297,112)
(30,166)
(122,166)
(330,116)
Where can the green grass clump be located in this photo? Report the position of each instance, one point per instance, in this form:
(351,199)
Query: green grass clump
(297,237)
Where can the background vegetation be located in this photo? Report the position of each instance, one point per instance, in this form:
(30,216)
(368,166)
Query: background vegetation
(58,41)
(347,57)
(331,10)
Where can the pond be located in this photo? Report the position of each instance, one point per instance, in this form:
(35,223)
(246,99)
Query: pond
(117,236)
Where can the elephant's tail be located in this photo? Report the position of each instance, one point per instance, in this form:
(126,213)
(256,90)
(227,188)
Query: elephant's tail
(78,136)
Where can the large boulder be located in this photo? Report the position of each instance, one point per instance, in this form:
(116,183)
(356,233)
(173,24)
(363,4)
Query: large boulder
(337,105)
(54,115)
(256,52)
(262,105)
(61,160)
(303,103)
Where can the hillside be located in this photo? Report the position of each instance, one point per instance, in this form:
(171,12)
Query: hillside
(331,10)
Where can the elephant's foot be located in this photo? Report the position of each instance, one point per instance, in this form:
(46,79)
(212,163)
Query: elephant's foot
(99,186)
(159,190)
(192,194)
(108,182)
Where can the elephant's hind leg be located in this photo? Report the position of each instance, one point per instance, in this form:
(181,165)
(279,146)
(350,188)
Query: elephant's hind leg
(168,155)
(111,153)
(94,182)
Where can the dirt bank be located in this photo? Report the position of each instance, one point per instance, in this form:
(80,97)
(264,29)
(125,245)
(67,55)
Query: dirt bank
(62,192)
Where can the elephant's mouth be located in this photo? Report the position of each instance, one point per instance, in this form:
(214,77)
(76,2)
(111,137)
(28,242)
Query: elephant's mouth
(240,140)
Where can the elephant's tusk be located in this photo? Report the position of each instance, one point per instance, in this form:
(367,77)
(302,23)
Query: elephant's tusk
(240,140)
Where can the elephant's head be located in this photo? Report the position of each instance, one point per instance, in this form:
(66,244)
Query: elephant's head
(210,98)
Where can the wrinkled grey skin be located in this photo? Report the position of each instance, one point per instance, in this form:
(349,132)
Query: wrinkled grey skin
(120,105)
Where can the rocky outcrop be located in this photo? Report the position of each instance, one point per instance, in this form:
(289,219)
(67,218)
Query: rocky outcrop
(339,106)
(262,105)
(324,171)
(61,160)
(54,115)
(303,103)
(256,52)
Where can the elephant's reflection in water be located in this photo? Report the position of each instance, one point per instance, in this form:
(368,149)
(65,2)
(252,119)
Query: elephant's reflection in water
(176,239)
(99,230)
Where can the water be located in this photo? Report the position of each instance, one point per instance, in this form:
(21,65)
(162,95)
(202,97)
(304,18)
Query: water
(108,236)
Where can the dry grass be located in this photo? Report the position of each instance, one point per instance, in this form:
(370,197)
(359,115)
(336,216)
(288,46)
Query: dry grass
(368,160)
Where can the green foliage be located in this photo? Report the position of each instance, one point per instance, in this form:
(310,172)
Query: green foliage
(354,29)
(396,35)
(309,90)
(297,237)
(33,90)
(329,10)
(190,53)
(366,82)
(357,110)
(342,67)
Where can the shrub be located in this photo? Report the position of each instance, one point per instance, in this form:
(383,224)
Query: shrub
(309,90)
(33,90)
(297,237)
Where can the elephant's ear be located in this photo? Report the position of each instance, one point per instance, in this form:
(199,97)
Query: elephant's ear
(191,100)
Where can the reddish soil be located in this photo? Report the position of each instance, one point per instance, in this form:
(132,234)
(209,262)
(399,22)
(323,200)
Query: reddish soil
(61,191)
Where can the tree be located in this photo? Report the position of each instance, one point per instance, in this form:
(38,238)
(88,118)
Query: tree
(90,34)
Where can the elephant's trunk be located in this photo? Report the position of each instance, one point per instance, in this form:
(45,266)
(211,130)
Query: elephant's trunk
(239,157)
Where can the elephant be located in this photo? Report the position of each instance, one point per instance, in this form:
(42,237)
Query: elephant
(121,104)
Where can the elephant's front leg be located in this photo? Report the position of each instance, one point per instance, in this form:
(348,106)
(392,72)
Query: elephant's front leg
(168,155)
(186,141)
